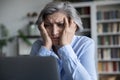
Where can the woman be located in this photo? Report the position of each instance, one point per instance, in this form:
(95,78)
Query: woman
(58,23)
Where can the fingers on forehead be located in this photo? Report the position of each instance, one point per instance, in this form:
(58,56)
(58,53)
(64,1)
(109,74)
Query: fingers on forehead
(66,21)
(41,26)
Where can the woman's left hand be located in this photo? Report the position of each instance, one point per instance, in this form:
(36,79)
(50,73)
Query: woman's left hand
(68,32)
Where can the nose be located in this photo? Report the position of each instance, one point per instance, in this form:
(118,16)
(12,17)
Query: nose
(54,30)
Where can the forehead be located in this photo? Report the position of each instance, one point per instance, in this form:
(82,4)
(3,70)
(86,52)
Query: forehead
(57,16)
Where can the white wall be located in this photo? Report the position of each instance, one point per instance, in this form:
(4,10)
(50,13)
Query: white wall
(13,15)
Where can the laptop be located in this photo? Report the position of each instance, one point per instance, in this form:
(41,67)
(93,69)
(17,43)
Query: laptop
(29,68)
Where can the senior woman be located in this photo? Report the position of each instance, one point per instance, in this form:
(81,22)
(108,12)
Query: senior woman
(58,23)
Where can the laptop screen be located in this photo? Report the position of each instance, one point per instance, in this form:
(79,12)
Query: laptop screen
(29,68)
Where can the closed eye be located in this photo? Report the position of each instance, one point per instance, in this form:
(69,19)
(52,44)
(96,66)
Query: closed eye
(47,25)
(60,24)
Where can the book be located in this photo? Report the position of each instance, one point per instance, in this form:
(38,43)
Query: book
(115,27)
(108,78)
(100,28)
(100,67)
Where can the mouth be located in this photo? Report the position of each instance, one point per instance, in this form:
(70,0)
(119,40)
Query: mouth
(55,38)
(55,41)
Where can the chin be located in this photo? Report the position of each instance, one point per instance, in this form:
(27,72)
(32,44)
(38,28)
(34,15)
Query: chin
(55,43)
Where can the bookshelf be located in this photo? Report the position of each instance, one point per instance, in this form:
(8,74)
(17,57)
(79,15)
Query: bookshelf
(85,15)
(23,48)
(108,40)
(101,21)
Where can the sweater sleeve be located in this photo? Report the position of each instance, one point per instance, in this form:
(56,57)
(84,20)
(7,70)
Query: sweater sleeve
(76,66)
(39,49)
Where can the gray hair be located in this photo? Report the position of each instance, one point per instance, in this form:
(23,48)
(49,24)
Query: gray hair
(66,7)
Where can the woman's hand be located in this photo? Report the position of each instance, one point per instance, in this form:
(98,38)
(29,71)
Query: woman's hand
(68,32)
(46,38)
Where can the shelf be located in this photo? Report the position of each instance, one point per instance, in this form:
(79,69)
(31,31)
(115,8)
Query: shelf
(108,60)
(86,30)
(108,46)
(108,21)
(22,47)
(108,33)
(35,36)
(85,16)
(109,73)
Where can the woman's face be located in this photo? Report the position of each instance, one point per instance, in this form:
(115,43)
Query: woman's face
(54,25)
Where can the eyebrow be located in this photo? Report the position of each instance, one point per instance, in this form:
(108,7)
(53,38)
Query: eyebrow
(55,22)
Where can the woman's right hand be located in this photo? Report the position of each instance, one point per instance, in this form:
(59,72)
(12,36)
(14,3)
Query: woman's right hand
(46,38)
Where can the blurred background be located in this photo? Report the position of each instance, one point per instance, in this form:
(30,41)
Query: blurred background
(17,18)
